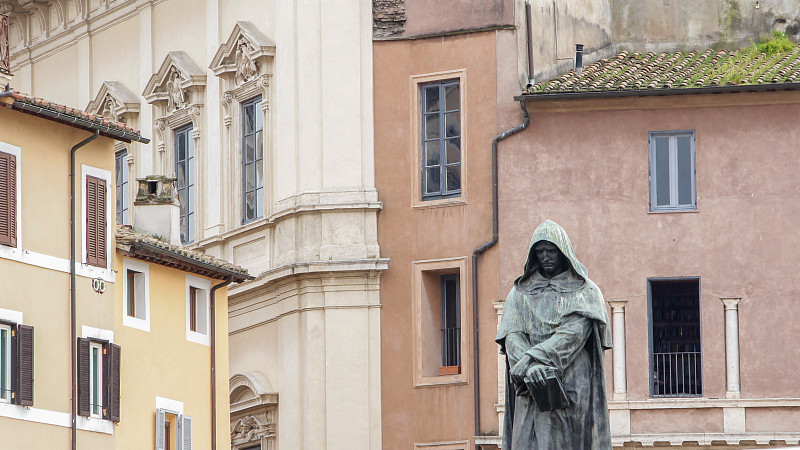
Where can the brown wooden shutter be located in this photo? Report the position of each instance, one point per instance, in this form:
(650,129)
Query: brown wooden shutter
(83,377)
(8,199)
(95,221)
(111,368)
(24,386)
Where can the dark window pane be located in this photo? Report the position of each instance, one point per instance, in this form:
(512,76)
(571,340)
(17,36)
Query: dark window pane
(453,150)
(432,180)
(452,101)
(259,174)
(249,209)
(184,236)
(181,145)
(181,174)
(432,126)
(250,177)
(249,148)
(248,119)
(432,153)
(453,177)
(431,99)
(182,200)
(259,146)
(662,171)
(684,170)
(452,124)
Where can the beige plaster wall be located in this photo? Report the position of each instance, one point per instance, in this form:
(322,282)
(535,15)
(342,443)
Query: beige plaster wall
(53,74)
(170,34)
(107,46)
(406,233)
(588,171)
(256,11)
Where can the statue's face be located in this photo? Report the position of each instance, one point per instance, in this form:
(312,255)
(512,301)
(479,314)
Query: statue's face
(552,261)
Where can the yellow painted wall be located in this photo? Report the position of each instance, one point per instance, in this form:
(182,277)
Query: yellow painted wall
(163,363)
(107,65)
(42,294)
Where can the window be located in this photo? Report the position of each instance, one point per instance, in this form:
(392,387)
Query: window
(16,364)
(441,139)
(439,315)
(252,161)
(123,188)
(672,171)
(451,325)
(197,309)
(136,294)
(98,379)
(184,171)
(8,199)
(173,430)
(96,221)
(675,350)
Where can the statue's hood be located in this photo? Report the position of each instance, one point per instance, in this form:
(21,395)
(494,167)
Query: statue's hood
(551,232)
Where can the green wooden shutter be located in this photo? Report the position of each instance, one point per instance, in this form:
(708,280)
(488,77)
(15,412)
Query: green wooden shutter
(24,386)
(8,199)
(83,377)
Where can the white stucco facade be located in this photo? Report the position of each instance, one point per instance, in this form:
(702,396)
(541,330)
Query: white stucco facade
(308,326)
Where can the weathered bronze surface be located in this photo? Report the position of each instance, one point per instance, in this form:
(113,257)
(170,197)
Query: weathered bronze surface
(554,324)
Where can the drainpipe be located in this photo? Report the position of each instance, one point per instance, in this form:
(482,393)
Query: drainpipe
(212,304)
(528,20)
(72,321)
(479,251)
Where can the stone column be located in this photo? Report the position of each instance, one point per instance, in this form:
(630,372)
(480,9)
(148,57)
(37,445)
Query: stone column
(732,345)
(618,329)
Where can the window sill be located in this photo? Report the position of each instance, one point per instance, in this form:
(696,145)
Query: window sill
(134,322)
(197,338)
(440,203)
(444,380)
(669,211)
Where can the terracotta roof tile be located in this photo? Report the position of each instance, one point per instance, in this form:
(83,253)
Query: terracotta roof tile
(679,70)
(126,236)
(55,107)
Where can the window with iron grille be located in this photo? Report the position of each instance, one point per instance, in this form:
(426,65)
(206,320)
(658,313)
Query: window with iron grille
(451,321)
(184,172)
(672,171)
(441,139)
(123,188)
(252,161)
(675,350)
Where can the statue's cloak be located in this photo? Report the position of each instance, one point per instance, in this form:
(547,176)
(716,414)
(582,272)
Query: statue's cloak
(549,316)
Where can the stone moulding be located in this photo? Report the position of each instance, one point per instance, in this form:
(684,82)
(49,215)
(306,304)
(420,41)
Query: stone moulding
(116,102)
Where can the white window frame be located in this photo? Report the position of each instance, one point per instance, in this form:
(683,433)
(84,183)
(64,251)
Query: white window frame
(14,317)
(5,250)
(673,206)
(8,362)
(141,291)
(111,210)
(97,386)
(204,287)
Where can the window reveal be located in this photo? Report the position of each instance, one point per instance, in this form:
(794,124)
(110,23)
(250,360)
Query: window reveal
(672,171)
(252,161)
(441,139)
(184,172)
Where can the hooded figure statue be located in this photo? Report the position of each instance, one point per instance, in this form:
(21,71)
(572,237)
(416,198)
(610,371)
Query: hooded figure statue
(554,325)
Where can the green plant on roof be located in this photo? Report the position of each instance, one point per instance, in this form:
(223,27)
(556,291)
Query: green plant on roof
(770,45)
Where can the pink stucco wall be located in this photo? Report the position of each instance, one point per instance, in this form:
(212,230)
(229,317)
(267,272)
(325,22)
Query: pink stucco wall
(587,169)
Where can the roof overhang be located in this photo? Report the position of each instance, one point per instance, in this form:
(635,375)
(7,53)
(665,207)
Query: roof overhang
(733,89)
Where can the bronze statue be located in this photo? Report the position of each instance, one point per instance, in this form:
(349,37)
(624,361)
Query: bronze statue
(554,331)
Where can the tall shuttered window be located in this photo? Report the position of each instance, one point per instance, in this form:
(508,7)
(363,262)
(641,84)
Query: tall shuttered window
(96,221)
(672,171)
(184,171)
(98,379)
(8,199)
(16,364)
(252,161)
(441,139)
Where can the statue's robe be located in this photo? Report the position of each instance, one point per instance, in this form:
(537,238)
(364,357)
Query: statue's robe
(561,323)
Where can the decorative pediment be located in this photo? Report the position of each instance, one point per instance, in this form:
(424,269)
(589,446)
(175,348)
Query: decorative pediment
(116,102)
(179,83)
(245,56)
